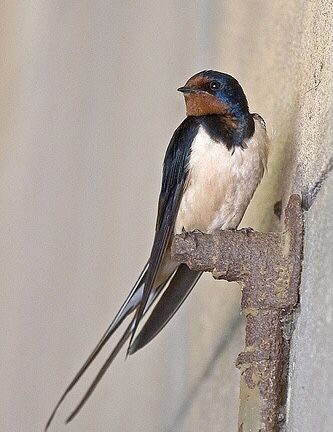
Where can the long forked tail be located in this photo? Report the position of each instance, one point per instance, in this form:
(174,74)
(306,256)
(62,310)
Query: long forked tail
(179,286)
(127,333)
(131,302)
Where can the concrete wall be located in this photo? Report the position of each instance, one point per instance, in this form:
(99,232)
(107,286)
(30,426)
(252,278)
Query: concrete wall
(310,402)
(88,105)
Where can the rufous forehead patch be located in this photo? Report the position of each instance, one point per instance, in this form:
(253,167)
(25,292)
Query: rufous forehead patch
(198,81)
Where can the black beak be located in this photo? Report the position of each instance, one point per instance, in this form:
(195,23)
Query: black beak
(186,90)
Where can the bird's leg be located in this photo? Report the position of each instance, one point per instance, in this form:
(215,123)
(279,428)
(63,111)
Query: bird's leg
(195,240)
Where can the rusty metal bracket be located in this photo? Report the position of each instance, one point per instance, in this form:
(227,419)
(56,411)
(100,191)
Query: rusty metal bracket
(268,268)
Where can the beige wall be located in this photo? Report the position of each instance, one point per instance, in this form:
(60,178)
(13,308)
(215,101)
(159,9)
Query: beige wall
(88,104)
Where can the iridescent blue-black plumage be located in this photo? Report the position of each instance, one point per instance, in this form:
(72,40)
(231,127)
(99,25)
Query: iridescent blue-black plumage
(222,86)
(173,182)
(219,103)
(233,135)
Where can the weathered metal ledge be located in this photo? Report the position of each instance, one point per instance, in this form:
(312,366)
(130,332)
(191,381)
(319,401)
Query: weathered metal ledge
(268,268)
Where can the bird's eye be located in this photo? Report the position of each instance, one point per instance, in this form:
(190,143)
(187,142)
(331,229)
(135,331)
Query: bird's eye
(215,85)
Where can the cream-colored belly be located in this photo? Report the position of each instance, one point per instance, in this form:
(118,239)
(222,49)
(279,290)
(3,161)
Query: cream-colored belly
(221,182)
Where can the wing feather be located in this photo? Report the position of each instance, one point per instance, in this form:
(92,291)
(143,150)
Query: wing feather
(175,172)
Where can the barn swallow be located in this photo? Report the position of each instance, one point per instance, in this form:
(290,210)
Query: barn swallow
(212,166)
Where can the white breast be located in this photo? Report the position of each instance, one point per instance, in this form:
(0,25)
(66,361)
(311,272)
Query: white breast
(221,182)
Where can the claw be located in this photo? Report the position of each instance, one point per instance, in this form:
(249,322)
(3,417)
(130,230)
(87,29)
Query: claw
(189,235)
(185,234)
(196,231)
(247,230)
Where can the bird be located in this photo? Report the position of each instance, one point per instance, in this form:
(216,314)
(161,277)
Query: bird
(213,164)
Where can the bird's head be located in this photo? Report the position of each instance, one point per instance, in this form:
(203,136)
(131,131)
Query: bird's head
(211,92)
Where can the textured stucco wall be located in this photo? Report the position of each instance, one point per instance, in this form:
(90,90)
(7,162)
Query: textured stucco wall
(310,404)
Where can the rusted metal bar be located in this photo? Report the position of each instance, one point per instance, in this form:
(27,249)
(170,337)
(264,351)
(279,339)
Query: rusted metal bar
(268,268)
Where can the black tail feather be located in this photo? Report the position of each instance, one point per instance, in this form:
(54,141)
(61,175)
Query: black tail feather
(123,312)
(102,371)
(113,355)
(180,286)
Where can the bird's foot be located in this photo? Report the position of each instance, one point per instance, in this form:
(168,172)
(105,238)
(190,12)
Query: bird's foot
(195,240)
(188,234)
(247,230)
(196,231)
